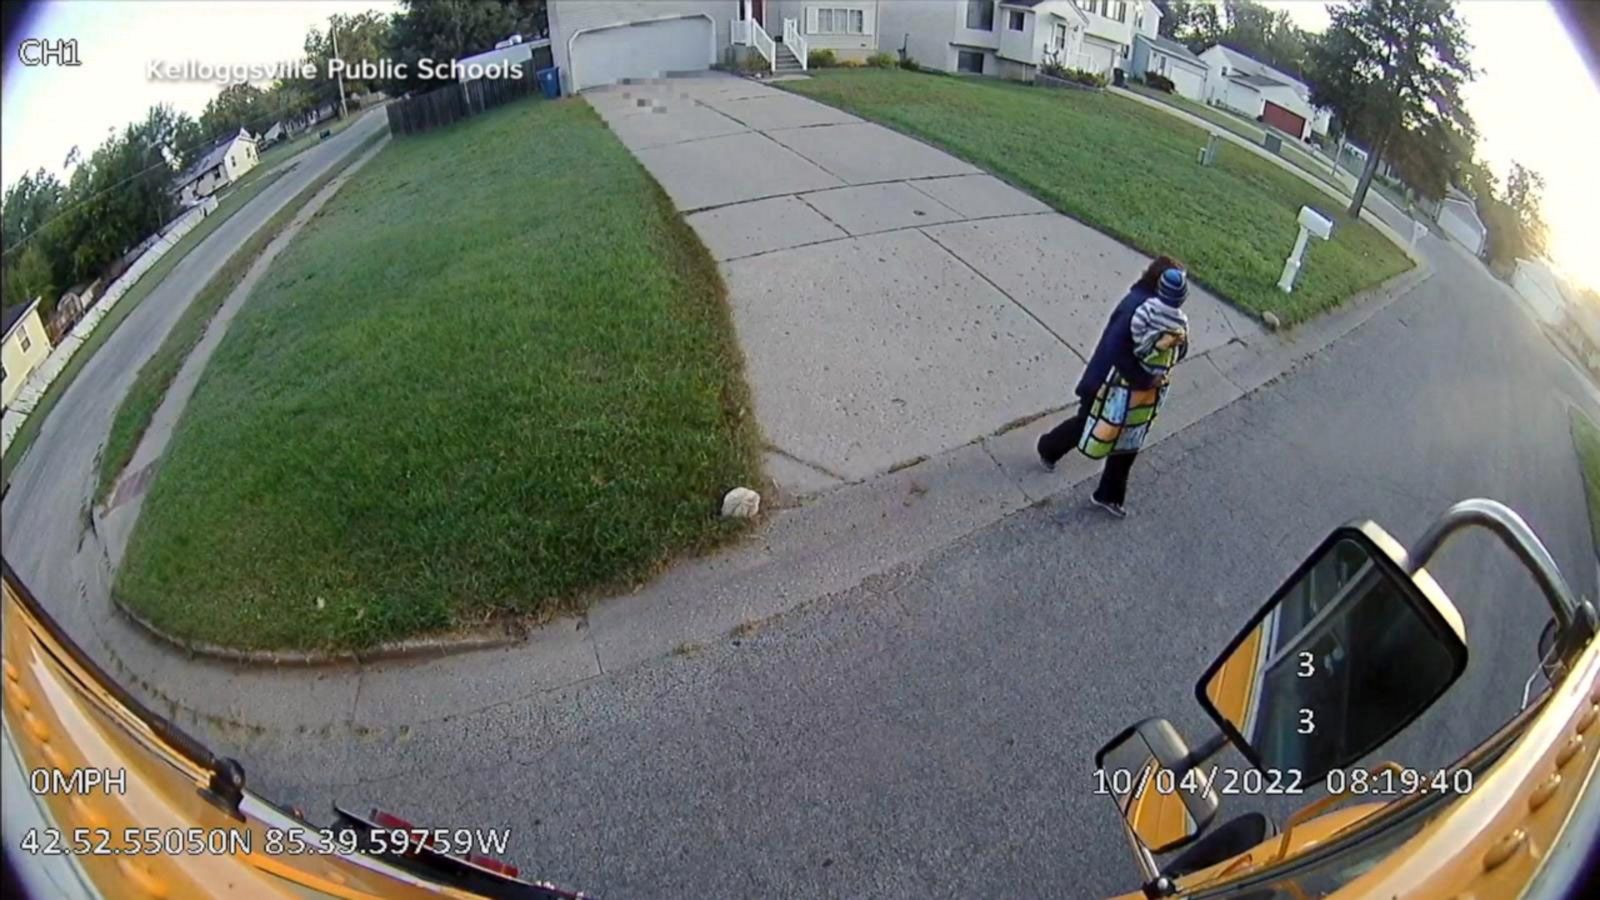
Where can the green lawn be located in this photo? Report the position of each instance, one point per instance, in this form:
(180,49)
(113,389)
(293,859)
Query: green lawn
(1130,171)
(496,374)
(149,387)
(29,431)
(1586,437)
(1242,127)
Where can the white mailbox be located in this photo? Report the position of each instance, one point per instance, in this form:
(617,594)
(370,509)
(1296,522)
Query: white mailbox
(1316,222)
(1311,223)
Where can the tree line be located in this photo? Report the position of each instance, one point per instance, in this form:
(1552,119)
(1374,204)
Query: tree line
(1392,72)
(56,233)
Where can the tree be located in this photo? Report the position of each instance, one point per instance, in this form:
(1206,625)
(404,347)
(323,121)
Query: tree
(1195,23)
(444,30)
(1525,194)
(27,277)
(236,106)
(30,201)
(57,236)
(1432,157)
(25,272)
(362,38)
(1391,66)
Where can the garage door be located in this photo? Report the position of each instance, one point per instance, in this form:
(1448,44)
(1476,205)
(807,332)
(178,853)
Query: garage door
(1098,57)
(641,50)
(1282,119)
(1187,82)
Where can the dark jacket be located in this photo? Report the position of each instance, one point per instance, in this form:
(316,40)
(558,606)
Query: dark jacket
(1116,349)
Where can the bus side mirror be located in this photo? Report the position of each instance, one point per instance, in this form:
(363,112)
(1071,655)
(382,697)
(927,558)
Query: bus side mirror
(1142,770)
(1346,654)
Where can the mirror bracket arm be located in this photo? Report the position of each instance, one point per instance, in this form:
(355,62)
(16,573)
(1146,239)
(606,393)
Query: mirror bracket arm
(1208,748)
(1576,618)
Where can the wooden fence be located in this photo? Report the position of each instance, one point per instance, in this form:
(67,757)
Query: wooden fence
(443,106)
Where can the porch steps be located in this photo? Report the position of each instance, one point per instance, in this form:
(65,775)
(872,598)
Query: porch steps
(788,64)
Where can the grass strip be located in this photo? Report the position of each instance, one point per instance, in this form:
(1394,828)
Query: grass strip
(150,386)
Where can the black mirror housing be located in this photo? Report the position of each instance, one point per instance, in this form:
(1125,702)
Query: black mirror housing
(1349,651)
(1143,769)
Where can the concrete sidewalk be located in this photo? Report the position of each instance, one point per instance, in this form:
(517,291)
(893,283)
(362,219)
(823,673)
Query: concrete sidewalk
(893,302)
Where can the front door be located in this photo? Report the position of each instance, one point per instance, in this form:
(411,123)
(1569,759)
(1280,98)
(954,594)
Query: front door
(758,12)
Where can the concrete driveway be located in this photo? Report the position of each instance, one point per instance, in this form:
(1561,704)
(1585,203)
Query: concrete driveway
(893,302)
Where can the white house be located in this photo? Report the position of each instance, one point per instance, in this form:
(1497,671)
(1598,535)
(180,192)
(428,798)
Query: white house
(849,29)
(514,51)
(26,346)
(1172,60)
(1541,287)
(218,167)
(1458,218)
(1258,91)
(1010,38)
(599,42)
(270,136)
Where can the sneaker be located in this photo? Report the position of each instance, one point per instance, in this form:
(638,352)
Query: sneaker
(1043,461)
(1116,509)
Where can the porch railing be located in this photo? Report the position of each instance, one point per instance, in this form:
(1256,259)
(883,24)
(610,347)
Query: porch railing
(796,42)
(739,32)
(764,45)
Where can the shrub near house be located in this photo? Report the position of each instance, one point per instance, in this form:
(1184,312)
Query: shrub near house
(1159,82)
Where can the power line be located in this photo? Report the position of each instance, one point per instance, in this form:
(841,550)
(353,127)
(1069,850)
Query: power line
(163,163)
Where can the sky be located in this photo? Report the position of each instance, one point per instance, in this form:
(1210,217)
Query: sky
(1533,102)
(1533,89)
(116,41)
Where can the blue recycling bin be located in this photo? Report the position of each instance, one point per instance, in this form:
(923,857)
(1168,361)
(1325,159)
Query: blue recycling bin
(550,81)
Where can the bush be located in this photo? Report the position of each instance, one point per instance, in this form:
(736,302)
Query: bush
(881,60)
(1158,81)
(1093,79)
(821,59)
(1077,76)
(910,65)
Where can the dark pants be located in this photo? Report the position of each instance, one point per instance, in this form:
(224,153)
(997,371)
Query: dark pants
(1063,439)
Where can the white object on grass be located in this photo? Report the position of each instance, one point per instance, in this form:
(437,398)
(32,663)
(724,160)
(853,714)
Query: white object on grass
(741,503)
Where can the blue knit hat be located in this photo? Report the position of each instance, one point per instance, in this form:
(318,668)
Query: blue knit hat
(1173,287)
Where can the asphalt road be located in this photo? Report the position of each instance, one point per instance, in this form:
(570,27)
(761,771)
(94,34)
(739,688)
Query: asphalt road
(51,487)
(931,732)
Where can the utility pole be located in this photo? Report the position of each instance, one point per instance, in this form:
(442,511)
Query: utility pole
(333,23)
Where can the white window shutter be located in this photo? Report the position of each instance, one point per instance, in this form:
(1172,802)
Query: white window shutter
(870,25)
(811,20)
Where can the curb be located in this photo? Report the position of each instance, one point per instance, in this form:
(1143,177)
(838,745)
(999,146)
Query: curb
(412,649)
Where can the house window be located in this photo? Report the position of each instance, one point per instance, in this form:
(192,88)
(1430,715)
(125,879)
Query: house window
(969,61)
(1122,11)
(1060,37)
(22,339)
(980,15)
(1015,21)
(841,21)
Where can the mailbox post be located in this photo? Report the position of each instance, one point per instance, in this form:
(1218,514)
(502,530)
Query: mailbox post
(1311,223)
